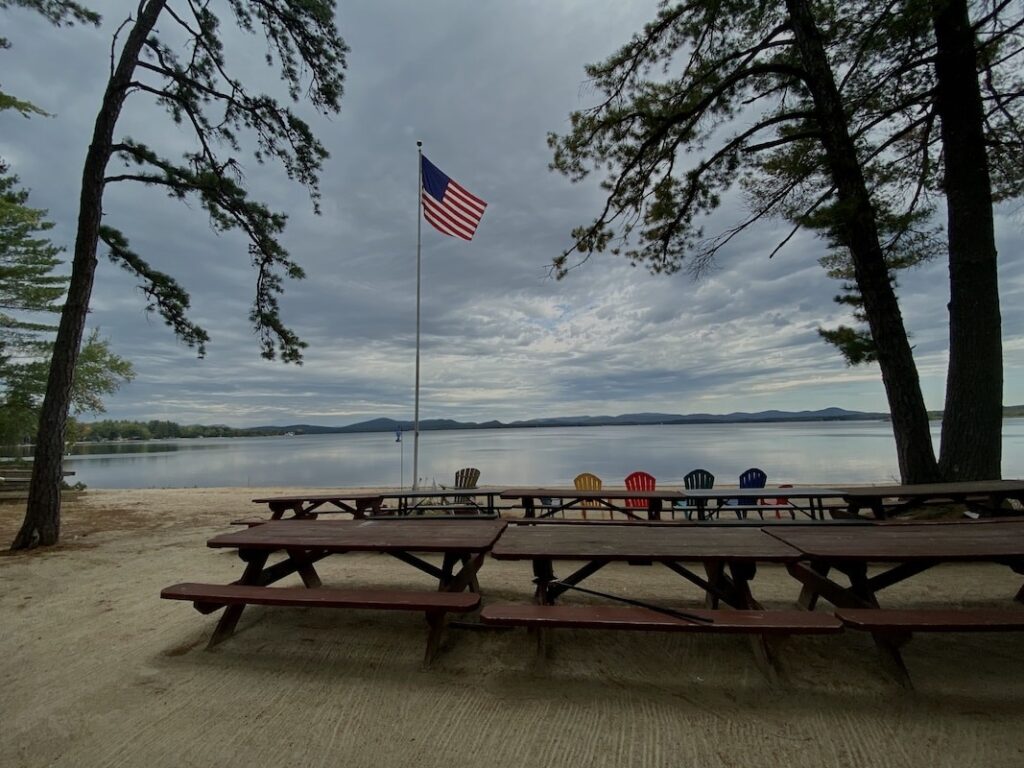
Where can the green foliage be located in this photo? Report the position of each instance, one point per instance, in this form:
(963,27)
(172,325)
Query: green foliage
(163,430)
(26,108)
(711,97)
(650,133)
(198,93)
(27,284)
(29,288)
(162,291)
(59,12)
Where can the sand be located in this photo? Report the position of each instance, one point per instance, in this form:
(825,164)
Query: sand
(95,670)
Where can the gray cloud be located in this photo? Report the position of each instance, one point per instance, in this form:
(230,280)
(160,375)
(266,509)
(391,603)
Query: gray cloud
(481,84)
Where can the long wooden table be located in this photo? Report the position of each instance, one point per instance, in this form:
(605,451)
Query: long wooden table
(729,555)
(363,504)
(572,498)
(988,495)
(308,506)
(463,544)
(908,548)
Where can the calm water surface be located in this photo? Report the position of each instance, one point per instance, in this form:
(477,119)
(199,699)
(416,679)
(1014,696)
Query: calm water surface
(818,452)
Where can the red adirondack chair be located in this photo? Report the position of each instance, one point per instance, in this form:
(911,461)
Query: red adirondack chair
(639,481)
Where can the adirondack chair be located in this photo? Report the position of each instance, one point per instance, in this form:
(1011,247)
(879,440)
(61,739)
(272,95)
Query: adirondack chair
(464,478)
(639,481)
(751,478)
(696,479)
(585,481)
(780,502)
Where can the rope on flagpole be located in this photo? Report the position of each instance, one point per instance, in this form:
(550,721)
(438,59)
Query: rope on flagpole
(416,410)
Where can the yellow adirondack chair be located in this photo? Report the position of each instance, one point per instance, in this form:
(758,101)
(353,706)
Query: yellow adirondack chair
(588,482)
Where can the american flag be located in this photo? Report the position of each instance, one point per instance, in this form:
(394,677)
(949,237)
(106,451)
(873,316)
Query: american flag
(448,206)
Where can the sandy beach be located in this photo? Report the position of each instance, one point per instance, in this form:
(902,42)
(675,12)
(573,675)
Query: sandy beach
(96,670)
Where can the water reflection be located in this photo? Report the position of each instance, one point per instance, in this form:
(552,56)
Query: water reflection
(823,452)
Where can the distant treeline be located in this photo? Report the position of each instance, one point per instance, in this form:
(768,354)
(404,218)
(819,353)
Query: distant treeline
(157,430)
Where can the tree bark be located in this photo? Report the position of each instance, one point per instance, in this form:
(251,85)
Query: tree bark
(860,234)
(973,416)
(41,526)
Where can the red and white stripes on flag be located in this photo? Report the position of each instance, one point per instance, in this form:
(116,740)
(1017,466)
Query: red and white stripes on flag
(448,206)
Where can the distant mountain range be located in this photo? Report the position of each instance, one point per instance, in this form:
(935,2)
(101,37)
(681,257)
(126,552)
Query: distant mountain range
(740,417)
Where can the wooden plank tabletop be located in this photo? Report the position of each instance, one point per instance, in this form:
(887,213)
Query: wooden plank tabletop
(640,542)
(905,542)
(934,490)
(455,535)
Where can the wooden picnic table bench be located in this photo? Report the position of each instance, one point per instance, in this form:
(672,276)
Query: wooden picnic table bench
(908,550)
(434,604)
(728,555)
(462,543)
(780,622)
(14,483)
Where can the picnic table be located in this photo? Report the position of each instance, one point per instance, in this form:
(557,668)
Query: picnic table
(463,545)
(729,556)
(985,495)
(363,504)
(784,497)
(572,498)
(908,550)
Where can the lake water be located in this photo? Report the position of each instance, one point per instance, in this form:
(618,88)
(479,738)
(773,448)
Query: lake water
(811,452)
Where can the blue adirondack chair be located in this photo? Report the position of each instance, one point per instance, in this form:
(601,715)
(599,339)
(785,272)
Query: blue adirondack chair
(751,478)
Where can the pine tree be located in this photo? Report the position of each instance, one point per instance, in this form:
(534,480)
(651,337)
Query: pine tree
(190,79)
(837,117)
(31,290)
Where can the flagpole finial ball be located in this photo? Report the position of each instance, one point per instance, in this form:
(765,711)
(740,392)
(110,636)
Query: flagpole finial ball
(419,143)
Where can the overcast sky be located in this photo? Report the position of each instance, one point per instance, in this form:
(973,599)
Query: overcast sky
(481,84)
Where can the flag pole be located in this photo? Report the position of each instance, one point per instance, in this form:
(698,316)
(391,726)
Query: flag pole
(416,410)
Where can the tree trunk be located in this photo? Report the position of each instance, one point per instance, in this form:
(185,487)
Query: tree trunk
(859,233)
(973,417)
(42,518)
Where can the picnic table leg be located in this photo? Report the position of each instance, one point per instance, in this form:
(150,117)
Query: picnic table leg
(436,622)
(742,574)
(466,577)
(888,645)
(714,570)
(305,568)
(543,575)
(255,560)
(764,652)
(820,586)
(654,509)
(277,509)
(1018,568)
(808,598)
(528,507)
